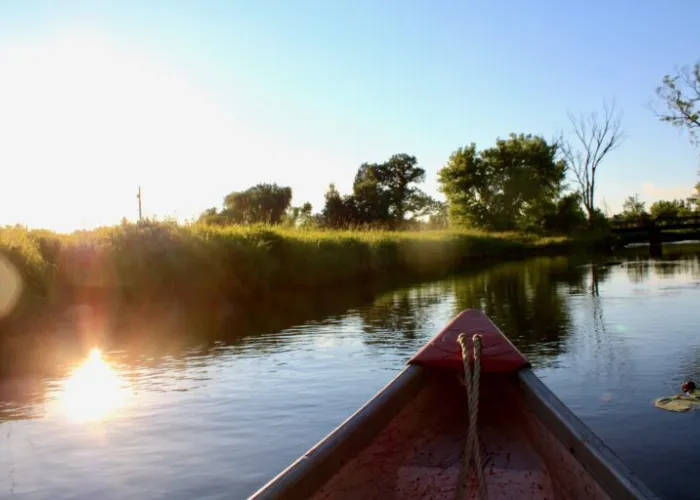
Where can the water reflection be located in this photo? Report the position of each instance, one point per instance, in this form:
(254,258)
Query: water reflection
(523,299)
(251,395)
(93,391)
(529,300)
(398,318)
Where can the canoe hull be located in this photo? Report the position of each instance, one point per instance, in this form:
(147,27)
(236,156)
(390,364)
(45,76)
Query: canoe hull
(407,442)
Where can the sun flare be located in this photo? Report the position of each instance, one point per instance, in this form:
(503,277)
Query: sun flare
(94,390)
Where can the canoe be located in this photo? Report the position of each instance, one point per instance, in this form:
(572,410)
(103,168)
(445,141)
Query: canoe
(410,440)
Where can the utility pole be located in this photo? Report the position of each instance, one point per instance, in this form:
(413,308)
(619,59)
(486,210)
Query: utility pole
(139,198)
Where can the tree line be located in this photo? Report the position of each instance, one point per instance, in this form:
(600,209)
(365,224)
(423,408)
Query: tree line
(634,210)
(519,183)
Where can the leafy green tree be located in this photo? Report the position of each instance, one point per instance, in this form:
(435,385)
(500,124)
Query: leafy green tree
(665,208)
(398,178)
(263,203)
(504,187)
(387,192)
(567,215)
(681,94)
(338,211)
(694,199)
(632,208)
(299,216)
(383,194)
(439,218)
(212,216)
(370,201)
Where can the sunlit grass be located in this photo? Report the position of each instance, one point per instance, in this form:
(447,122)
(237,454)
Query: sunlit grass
(138,263)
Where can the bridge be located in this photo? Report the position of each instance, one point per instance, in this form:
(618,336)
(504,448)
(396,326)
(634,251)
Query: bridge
(658,230)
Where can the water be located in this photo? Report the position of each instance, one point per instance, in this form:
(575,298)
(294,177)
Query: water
(217,420)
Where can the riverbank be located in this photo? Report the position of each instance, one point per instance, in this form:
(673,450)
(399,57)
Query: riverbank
(225,273)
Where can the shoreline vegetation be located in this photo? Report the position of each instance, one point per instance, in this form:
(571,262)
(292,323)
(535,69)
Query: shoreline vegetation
(213,275)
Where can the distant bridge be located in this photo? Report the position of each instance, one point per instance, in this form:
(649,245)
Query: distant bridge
(659,229)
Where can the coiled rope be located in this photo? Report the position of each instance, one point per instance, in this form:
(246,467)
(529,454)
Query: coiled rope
(472,451)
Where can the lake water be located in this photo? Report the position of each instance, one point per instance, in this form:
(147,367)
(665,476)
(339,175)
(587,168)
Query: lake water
(218,420)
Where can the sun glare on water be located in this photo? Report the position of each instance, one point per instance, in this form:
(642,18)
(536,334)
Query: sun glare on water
(94,391)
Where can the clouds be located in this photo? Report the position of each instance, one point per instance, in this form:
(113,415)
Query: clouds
(655,193)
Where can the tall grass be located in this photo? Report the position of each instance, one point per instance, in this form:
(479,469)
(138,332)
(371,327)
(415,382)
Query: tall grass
(155,284)
(133,264)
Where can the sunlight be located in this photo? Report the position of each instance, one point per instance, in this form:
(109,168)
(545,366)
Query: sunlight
(93,391)
(94,117)
(10,286)
(93,120)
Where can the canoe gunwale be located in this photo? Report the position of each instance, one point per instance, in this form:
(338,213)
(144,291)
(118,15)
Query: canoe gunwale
(310,471)
(611,473)
(314,468)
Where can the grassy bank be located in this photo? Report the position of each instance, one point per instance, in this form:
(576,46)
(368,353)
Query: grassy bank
(242,262)
(229,271)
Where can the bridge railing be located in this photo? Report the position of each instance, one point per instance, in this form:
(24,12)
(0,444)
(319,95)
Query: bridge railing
(647,222)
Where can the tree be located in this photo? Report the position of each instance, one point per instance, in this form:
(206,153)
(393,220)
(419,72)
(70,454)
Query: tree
(694,199)
(567,215)
(263,203)
(382,194)
(504,187)
(214,217)
(665,208)
(439,219)
(595,138)
(398,178)
(681,94)
(387,192)
(338,211)
(370,200)
(633,208)
(299,216)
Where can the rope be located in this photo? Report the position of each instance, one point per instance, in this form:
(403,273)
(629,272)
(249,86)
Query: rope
(471,448)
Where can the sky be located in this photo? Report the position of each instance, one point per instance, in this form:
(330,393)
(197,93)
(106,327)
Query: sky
(193,100)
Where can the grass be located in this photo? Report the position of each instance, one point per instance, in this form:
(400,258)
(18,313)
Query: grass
(155,282)
(134,264)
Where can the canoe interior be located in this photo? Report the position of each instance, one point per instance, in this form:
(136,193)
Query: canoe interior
(418,453)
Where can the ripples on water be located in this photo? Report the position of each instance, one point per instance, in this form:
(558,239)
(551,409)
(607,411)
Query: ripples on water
(219,419)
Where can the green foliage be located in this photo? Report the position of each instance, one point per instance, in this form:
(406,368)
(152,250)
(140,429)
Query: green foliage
(632,208)
(338,211)
(598,222)
(139,264)
(263,203)
(370,200)
(398,178)
(507,187)
(439,218)
(673,208)
(681,94)
(383,195)
(694,199)
(567,215)
(299,216)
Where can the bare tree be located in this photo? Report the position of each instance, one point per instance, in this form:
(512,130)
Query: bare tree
(595,136)
(681,94)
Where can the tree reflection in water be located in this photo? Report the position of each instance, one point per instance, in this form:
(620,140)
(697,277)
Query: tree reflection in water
(536,302)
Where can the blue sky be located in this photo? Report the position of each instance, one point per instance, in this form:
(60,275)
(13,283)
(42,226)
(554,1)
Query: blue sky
(192,100)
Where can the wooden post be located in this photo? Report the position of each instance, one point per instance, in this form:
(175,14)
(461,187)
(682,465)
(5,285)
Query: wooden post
(139,198)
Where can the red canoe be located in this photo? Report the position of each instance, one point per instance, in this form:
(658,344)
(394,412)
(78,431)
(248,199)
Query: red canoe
(408,441)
